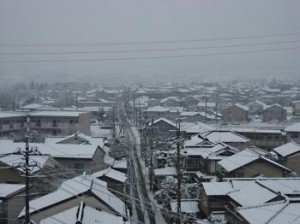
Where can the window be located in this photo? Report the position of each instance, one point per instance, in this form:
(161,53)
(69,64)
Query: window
(294,134)
(239,174)
(38,123)
(54,123)
(79,167)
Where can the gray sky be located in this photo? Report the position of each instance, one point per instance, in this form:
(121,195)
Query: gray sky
(35,26)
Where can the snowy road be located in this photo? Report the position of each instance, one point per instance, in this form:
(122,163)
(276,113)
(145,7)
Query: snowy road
(142,211)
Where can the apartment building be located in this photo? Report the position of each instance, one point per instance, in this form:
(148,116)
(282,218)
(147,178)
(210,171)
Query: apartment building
(47,123)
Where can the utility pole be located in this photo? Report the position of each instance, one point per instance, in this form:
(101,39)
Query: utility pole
(113,121)
(76,101)
(27,217)
(151,157)
(178,177)
(205,105)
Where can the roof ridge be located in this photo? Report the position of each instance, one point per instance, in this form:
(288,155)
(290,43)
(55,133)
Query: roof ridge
(261,205)
(278,212)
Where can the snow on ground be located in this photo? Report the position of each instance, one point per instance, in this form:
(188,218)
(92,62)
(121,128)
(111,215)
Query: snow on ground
(96,131)
(158,216)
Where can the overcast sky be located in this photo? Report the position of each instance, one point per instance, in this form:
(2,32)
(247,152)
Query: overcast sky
(204,34)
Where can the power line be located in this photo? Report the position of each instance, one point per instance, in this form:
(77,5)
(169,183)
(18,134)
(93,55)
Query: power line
(154,57)
(152,42)
(149,50)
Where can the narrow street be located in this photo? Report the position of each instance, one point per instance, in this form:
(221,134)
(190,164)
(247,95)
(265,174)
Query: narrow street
(142,210)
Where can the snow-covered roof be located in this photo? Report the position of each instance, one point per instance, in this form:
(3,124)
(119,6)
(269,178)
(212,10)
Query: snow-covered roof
(157,109)
(164,120)
(189,113)
(8,114)
(75,187)
(6,190)
(197,141)
(293,128)
(85,139)
(242,106)
(208,152)
(224,136)
(197,127)
(285,211)
(287,149)
(17,161)
(273,105)
(120,164)
(208,104)
(55,150)
(56,113)
(222,188)
(167,171)
(187,206)
(252,194)
(89,216)
(286,186)
(111,173)
(243,158)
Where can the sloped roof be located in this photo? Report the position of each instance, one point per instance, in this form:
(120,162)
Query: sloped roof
(55,150)
(111,173)
(164,120)
(157,109)
(197,127)
(224,136)
(293,128)
(6,190)
(243,158)
(90,216)
(252,194)
(287,149)
(261,214)
(286,211)
(17,160)
(74,187)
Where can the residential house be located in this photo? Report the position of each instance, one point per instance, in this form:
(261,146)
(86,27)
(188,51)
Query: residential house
(284,211)
(153,113)
(235,193)
(263,138)
(172,102)
(256,107)
(116,180)
(296,108)
(293,132)
(190,116)
(228,137)
(273,113)
(203,106)
(83,213)
(78,158)
(205,159)
(11,202)
(250,162)
(190,129)
(163,128)
(82,189)
(191,103)
(236,114)
(289,156)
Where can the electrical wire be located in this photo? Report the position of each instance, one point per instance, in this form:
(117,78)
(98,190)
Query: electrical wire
(155,42)
(149,50)
(154,57)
